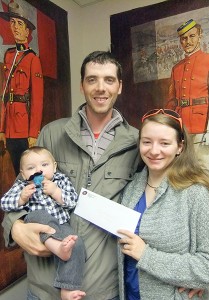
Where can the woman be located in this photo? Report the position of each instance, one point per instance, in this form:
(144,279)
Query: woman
(170,247)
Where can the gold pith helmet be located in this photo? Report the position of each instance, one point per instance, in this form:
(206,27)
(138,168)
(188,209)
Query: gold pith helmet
(16,11)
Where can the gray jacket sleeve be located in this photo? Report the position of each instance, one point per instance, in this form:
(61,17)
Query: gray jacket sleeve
(189,270)
(8,221)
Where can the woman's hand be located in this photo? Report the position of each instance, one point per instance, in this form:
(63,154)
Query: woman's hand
(27,237)
(132,244)
(192,292)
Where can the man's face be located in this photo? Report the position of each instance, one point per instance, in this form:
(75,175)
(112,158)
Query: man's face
(101,87)
(190,41)
(19,30)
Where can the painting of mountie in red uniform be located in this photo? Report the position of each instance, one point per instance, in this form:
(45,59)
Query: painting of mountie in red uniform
(188,92)
(22,98)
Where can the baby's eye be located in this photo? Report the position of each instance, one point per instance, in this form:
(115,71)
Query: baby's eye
(30,168)
(45,164)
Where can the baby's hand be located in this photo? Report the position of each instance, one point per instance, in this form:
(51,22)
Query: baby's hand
(26,193)
(49,187)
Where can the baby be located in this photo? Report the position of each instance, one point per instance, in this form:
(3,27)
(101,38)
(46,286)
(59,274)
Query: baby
(48,196)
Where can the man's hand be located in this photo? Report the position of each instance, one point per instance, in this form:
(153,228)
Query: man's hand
(31,142)
(193,292)
(3,138)
(27,237)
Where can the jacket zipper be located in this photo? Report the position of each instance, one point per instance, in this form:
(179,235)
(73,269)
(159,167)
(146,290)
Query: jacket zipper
(89,181)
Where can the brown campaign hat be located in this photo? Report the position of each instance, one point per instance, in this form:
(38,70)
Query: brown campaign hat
(16,11)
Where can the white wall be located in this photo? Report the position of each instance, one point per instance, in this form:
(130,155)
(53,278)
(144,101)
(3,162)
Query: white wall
(89,30)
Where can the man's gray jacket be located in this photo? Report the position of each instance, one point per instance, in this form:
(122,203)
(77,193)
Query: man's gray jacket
(107,177)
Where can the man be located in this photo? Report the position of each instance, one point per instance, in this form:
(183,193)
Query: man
(22,99)
(188,92)
(98,150)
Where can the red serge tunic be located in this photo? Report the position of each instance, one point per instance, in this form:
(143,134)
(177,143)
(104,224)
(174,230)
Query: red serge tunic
(27,78)
(188,93)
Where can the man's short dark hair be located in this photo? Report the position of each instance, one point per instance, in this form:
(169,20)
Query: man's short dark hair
(199,29)
(101,57)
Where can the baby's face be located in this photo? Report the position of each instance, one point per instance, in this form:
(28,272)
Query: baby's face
(36,162)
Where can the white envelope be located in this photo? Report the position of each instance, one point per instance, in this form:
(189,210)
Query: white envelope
(106,213)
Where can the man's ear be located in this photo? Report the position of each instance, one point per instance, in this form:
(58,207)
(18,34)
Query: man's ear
(120,88)
(28,31)
(81,87)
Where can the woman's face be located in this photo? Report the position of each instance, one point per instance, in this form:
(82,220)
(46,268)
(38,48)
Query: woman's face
(158,146)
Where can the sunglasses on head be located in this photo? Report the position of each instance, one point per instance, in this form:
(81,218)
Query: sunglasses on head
(168,112)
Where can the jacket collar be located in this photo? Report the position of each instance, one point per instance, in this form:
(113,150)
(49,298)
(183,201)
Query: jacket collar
(116,119)
(22,47)
(137,187)
(197,52)
(127,138)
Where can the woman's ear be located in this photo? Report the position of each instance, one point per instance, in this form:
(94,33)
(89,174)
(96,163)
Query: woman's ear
(180,148)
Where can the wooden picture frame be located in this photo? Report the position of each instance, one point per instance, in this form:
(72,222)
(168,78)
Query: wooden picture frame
(131,31)
(57,104)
